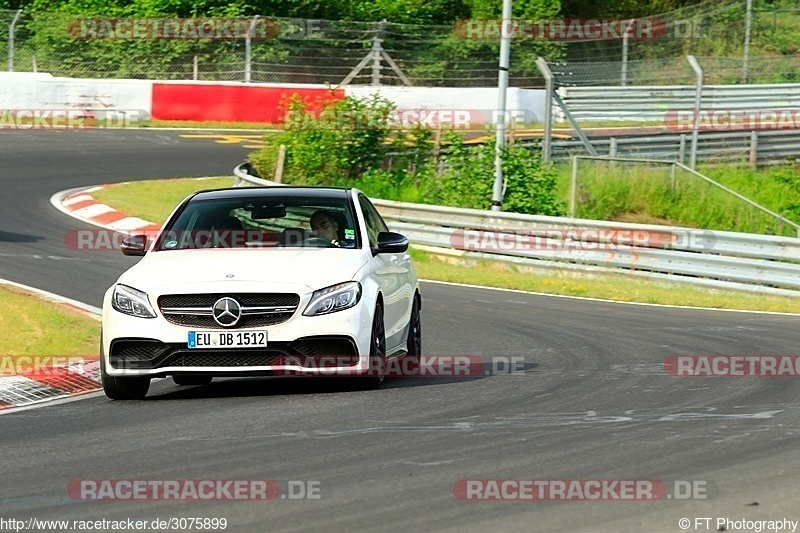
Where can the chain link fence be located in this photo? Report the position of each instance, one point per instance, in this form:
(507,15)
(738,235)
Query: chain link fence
(305,51)
(385,53)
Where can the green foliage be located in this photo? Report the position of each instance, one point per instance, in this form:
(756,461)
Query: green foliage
(428,54)
(468,176)
(789,178)
(58,50)
(354,143)
(530,184)
(400,185)
(528,9)
(468,179)
(643,194)
(777,188)
(343,141)
(620,8)
(407,11)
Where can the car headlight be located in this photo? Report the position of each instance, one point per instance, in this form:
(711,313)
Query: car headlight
(129,301)
(334,298)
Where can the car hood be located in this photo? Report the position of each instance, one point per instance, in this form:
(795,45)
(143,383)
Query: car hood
(187,270)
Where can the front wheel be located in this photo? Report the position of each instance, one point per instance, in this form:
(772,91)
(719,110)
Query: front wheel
(377,352)
(414,339)
(123,388)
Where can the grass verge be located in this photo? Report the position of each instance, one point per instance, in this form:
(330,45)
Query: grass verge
(39,328)
(154,200)
(617,287)
(166,194)
(645,194)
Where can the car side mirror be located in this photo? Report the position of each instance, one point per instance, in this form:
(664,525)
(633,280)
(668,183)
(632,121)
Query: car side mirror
(390,242)
(134,245)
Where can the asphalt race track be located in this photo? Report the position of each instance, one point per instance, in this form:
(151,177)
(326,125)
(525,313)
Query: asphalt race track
(593,401)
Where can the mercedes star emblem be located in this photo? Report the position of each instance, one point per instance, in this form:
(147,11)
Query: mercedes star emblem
(226,312)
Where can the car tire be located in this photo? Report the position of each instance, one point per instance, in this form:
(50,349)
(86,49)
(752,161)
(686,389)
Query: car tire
(123,388)
(377,352)
(414,339)
(187,381)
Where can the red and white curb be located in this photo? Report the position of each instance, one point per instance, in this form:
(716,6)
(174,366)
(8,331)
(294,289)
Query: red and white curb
(82,205)
(44,385)
(38,385)
(80,375)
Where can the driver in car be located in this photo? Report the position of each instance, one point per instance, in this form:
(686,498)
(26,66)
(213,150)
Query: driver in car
(324,225)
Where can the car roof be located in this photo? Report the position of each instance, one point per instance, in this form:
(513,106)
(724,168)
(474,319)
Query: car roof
(249,192)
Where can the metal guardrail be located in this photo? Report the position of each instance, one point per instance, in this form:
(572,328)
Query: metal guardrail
(765,147)
(652,102)
(762,263)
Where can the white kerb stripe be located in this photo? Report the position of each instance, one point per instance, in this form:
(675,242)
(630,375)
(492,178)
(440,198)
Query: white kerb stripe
(77,198)
(93,210)
(128,223)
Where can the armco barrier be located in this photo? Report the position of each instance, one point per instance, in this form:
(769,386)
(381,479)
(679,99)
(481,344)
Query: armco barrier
(758,147)
(761,263)
(639,102)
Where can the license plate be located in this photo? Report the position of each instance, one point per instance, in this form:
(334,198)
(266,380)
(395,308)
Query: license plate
(227,339)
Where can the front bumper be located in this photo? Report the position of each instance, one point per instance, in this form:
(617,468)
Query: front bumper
(319,345)
(307,355)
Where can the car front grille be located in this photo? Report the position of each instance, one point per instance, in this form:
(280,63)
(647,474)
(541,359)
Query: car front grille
(148,354)
(258,309)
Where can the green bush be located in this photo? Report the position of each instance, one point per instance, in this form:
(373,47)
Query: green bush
(346,139)
(468,179)
(354,143)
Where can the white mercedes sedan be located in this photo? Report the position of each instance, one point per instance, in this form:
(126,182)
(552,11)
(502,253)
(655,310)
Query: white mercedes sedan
(262,281)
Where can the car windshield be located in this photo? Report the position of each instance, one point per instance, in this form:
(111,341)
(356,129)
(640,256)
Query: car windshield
(261,222)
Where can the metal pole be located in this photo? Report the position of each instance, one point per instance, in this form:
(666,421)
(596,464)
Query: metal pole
(548,108)
(506,32)
(754,149)
(279,164)
(747,22)
(573,188)
(698,71)
(672,177)
(11,40)
(377,48)
(248,50)
(625,37)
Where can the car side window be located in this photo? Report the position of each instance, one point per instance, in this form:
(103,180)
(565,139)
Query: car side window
(375,223)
